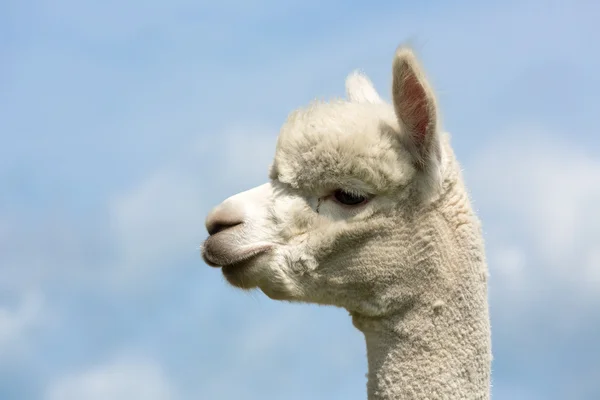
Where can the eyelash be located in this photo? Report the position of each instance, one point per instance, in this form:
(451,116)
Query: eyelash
(337,196)
(349,199)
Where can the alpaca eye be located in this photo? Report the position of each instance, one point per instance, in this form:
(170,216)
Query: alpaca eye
(348,199)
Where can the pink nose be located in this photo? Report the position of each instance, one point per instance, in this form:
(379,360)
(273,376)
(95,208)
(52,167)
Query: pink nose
(222,217)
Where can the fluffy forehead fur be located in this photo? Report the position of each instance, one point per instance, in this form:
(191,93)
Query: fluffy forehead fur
(342,144)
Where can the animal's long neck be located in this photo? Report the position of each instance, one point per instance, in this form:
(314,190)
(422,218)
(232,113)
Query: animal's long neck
(410,357)
(436,344)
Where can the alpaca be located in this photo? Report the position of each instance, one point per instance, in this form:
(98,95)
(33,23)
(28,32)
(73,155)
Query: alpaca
(366,209)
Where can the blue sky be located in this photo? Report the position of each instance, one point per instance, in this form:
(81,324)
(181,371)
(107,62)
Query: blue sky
(122,124)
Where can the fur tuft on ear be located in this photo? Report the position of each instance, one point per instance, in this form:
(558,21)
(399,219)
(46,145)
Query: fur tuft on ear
(360,89)
(416,110)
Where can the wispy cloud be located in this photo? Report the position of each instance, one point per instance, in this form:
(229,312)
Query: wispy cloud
(17,323)
(538,191)
(121,379)
(546,190)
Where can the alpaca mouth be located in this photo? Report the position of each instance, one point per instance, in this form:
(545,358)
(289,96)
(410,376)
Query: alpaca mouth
(216,253)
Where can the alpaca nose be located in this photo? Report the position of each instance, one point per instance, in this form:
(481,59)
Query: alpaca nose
(223,217)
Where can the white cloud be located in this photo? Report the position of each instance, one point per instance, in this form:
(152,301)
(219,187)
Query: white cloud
(257,354)
(162,217)
(121,379)
(16,323)
(158,218)
(547,192)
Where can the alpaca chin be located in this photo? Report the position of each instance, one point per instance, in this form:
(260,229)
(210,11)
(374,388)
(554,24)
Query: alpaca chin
(242,275)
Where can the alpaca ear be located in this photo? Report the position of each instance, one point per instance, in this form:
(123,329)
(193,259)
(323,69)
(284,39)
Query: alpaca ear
(360,89)
(416,110)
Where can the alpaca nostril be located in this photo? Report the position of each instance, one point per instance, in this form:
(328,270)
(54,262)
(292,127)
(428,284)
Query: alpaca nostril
(222,218)
(225,216)
(215,227)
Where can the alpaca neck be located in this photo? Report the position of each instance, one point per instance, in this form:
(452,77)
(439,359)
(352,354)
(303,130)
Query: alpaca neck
(424,354)
(437,342)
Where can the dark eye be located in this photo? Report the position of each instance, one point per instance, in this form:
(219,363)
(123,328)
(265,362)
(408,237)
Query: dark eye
(348,199)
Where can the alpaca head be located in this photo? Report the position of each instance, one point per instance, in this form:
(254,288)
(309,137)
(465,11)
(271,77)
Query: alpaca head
(349,181)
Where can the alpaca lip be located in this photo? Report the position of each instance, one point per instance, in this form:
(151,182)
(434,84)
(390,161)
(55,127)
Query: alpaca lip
(218,254)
